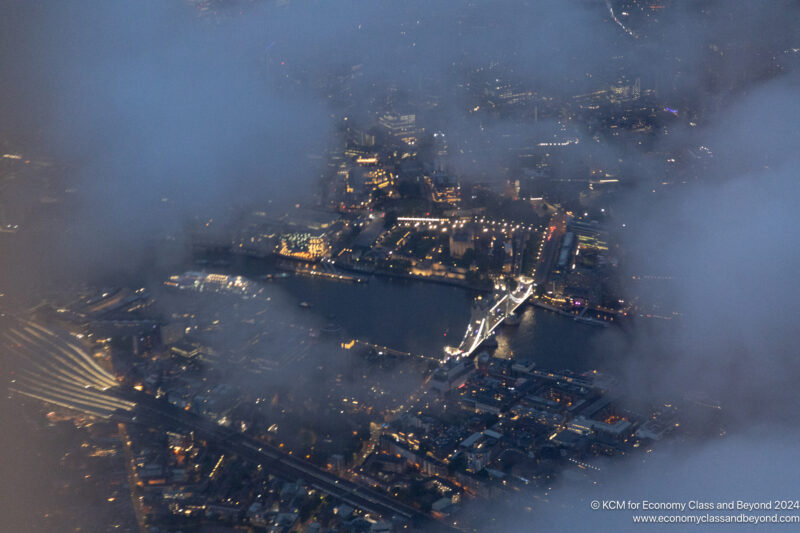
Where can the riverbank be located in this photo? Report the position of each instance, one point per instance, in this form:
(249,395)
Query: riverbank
(403,275)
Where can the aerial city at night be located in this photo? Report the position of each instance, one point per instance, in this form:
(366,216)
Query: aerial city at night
(381,267)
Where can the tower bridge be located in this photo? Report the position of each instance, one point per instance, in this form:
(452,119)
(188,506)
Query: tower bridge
(488,313)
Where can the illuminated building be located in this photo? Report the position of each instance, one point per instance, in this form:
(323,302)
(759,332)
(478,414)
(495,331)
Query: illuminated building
(443,190)
(500,92)
(304,246)
(360,137)
(202,281)
(403,127)
(363,180)
(460,242)
(479,449)
(186,350)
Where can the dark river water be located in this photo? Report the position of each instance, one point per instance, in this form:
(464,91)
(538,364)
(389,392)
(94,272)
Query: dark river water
(422,317)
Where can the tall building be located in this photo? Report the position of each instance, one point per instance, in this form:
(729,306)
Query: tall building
(439,152)
(403,127)
(637,89)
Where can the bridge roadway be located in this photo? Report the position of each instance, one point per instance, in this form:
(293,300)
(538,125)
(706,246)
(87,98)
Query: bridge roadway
(489,313)
(151,411)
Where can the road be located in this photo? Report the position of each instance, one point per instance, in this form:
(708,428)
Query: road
(549,247)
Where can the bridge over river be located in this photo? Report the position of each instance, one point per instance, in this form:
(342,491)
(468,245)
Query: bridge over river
(488,313)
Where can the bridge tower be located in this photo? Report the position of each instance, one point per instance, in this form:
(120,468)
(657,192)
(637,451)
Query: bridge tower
(509,303)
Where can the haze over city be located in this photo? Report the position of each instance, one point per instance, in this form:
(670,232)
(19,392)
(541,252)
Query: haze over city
(270,265)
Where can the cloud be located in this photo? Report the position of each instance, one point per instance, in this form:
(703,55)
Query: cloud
(756,466)
(726,244)
(157,116)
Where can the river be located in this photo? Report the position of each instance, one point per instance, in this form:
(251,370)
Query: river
(423,317)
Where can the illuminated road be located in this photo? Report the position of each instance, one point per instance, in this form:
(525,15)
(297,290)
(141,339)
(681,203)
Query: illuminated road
(618,22)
